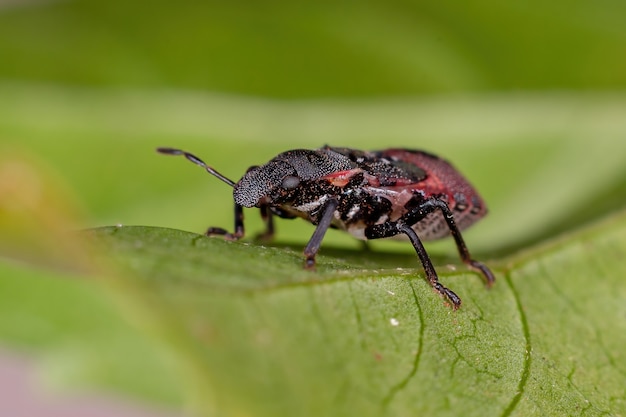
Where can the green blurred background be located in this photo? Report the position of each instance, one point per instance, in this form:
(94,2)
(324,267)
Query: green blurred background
(526,98)
(317,49)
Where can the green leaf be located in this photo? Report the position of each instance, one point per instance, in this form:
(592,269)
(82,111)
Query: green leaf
(78,335)
(544,162)
(318,49)
(264,337)
(79,339)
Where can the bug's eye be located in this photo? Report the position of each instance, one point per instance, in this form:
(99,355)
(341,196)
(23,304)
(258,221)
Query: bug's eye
(290,182)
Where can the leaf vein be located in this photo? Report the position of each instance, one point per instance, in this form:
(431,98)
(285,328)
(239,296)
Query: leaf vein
(528,356)
(394,390)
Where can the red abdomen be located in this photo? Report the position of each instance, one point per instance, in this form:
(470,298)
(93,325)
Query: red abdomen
(444,182)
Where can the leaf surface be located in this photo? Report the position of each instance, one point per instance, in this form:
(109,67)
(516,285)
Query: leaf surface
(268,338)
(245,328)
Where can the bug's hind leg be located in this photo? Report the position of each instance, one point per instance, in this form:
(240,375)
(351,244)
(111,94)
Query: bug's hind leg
(390,229)
(429,269)
(433,204)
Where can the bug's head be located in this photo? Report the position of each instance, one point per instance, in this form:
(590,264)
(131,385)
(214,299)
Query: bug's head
(286,175)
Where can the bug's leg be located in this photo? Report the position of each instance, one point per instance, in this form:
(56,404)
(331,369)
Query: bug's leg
(389,229)
(431,205)
(429,269)
(268,219)
(316,240)
(239,230)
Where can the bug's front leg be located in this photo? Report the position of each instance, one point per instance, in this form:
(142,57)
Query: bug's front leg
(239,230)
(316,240)
(268,219)
(390,229)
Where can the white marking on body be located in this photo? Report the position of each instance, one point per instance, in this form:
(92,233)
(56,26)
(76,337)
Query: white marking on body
(357,231)
(309,207)
(353,211)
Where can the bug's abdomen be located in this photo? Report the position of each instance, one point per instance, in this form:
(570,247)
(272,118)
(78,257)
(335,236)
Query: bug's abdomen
(444,182)
(434,225)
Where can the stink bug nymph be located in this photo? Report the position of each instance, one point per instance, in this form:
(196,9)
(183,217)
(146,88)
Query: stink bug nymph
(371,195)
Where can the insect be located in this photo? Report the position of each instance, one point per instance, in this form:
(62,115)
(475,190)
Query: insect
(371,195)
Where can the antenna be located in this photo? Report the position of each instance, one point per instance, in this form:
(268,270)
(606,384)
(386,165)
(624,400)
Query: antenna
(197,161)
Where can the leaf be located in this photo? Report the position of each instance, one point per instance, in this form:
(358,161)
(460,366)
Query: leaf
(81,339)
(545,161)
(319,49)
(264,337)
(559,163)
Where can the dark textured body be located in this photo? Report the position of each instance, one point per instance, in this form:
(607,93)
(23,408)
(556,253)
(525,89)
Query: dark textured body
(372,195)
(371,188)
